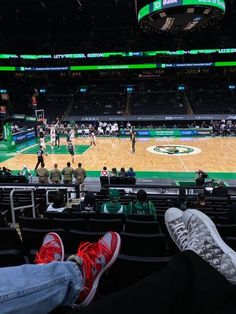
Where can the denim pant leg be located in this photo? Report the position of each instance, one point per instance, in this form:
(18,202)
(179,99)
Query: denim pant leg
(39,289)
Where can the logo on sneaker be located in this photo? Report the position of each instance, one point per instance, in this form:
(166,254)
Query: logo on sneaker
(99,261)
(175,150)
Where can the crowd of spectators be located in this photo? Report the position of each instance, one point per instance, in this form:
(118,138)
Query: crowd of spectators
(130,173)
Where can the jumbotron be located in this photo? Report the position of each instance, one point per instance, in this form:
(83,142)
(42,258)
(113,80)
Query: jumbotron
(180,15)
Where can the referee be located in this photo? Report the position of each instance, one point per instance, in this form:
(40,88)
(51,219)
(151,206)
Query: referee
(40,154)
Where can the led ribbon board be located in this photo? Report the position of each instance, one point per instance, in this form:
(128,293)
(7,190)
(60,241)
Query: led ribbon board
(113,67)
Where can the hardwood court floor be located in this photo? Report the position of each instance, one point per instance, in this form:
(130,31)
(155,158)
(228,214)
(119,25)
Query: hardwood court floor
(217,155)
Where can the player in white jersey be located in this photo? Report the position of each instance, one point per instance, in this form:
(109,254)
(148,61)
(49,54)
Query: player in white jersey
(72,135)
(42,142)
(52,137)
(92,139)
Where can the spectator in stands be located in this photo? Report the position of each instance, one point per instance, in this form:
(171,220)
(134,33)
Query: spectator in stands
(80,174)
(200,202)
(68,172)
(182,202)
(89,205)
(113,172)
(142,205)
(43,174)
(55,175)
(204,271)
(122,172)
(131,173)
(113,206)
(220,189)
(5,171)
(26,173)
(200,178)
(104,172)
(58,203)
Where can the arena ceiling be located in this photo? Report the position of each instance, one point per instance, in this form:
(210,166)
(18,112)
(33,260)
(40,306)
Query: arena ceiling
(43,25)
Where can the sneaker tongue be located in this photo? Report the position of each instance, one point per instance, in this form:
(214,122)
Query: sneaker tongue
(106,240)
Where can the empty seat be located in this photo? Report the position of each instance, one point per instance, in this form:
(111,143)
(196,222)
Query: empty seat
(227,230)
(11,248)
(133,269)
(33,238)
(140,217)
(75,237)
(35,223)
(111,216)
(151,245)
(104,180)
(135,226)
(78,223)
(103,225)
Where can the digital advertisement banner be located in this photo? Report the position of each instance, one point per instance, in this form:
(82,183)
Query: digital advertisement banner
(168,132)
(23,136)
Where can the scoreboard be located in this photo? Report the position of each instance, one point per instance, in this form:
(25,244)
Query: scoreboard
(174,15)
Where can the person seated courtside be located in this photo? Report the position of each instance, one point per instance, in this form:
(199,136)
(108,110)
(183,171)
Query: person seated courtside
(142,205)
(58,204)
(122,172)
(131,173)
(220,189)
(113,206)
(113,172)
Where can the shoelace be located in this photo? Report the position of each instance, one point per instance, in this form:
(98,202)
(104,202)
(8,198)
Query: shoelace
(45,254)
(181,233)
(89,252)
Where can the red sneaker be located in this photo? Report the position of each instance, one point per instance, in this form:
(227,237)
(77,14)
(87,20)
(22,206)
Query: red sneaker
(95,259)
(52,249)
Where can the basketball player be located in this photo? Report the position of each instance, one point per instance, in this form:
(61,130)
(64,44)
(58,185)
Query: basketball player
(93,139)
(70,148)
(72,135)
(57,139)
(133,141)
(52,137)
(42,141)
(40,154)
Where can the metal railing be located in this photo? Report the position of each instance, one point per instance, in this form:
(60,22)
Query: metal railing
(13,209)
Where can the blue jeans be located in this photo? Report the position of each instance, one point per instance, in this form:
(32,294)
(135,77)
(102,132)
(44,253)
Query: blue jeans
(39,289)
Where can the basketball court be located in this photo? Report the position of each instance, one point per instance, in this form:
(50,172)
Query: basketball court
(153,158)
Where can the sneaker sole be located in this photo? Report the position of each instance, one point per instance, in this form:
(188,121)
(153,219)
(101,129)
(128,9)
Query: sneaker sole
(96,281)
(61,244)
(213,231)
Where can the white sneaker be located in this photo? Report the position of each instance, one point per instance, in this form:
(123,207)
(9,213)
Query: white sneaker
(176,227)
(204,240)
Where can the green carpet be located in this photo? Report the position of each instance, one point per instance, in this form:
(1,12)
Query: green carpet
(62,150)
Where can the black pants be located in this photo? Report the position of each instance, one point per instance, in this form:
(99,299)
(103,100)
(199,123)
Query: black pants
(133,146)
(187,285)
(40,161)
